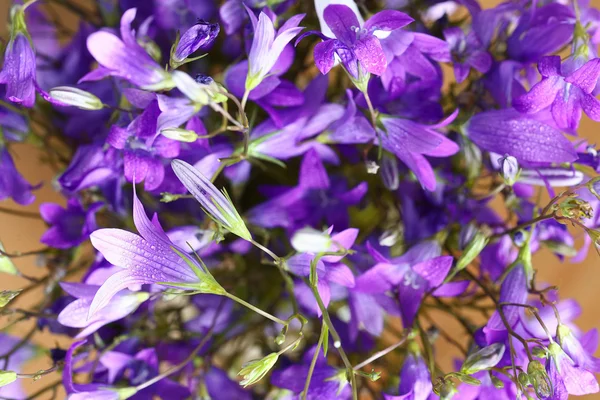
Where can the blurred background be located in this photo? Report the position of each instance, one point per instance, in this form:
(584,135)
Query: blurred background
(19,233)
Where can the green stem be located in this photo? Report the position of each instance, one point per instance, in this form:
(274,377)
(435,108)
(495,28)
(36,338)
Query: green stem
(274,256)
(337,341)
(313,362)
(381,353)
(256,309)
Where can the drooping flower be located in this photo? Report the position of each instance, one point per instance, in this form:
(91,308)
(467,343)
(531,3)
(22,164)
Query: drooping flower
(415,380)
(75,314)
(267,45)
(565,89)
(69,226)
(125,58)
(217,205)
(356,45)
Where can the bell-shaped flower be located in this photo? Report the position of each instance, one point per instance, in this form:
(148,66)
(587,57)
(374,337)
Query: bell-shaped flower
(147,258)
(565,92)
(75,314)
(415,379)
(580,353)
(18,72)
(267,45)
(125,58)
(216,204)
(467,52)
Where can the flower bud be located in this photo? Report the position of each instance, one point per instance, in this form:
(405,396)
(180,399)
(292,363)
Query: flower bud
(498,384)
(6,296)
(6,264)
(309,240)
(71,96)
(475,246)
(199,36)
(389,172)
(7,377)
(484,358)
(509,169)
(125,393)
(538,377)
(254,371)
(181,135)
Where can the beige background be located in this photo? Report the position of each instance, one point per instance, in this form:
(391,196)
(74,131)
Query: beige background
(579,281)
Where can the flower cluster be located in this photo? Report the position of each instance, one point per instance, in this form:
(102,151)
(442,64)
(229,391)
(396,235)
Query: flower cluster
(291,199)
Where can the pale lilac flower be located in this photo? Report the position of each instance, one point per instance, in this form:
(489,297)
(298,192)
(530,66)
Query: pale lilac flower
(267,45)
(75,314)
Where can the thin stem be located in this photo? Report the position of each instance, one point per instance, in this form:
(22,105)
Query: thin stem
(313,363)
(337,341)
(522,226)
(38,374)
(274,256)
(19,213)
(24,254)
(222,111)
(256,309)
(244,101)
(381,353)
(371,109)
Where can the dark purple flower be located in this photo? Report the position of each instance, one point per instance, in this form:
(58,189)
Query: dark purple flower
(90,166)
(199,36)
(565,91)
(18,72)
(70,226)
(415,379)
(467,52)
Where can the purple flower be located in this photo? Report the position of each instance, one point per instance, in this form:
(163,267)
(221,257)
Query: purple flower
(356,45)
(525,138)
(143,150)
(467,52)
(125,58)
(565,91)
(567,378)
(267,45)
(512,290)
(18,72)
(326,382)
(69,227)
(415,380)
(199,36)
(411,142)
(414,273)
(75,314)
(12,184)
(217,205)
(90,166)
(146,258)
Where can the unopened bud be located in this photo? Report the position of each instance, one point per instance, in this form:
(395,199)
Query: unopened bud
(475,246)
(181,135)
(498,384)
(6,296)
(70,96)
(7,377)
(538,377)
(509,169)
(254,371)
(484,358)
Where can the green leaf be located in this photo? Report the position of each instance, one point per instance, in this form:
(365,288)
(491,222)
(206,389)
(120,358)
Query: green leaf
(325,338)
